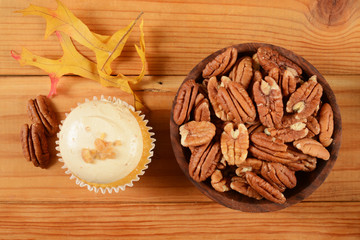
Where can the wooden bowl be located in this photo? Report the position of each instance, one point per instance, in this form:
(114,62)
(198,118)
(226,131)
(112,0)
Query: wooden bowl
(307,182)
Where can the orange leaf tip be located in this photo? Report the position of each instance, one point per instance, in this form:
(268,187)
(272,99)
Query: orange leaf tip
(16,56)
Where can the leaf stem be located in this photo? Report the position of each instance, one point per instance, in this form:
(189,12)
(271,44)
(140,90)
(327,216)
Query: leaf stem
(117,45)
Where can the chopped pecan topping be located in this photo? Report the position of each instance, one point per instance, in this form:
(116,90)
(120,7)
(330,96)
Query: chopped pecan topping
(203,161)
(264,188)
(326,125)
(278,175)
(313,125)
(40,111)
(240,185)
(185,101)
(257,76)
(242,72)
(218,182)
(34,144)
(268,99)
(221,64)
(234,143)
(201,111)
(312,147)
(305,99)
(196,133)
(269,59)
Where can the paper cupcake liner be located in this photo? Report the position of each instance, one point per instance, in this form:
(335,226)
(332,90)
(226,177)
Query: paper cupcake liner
(145,159)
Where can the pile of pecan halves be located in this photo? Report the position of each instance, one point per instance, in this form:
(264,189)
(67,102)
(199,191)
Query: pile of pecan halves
(252,122)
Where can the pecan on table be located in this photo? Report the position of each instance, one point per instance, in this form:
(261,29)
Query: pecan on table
(264,188)
(196,133)
(305,99)
(201,110)
(40,111)
(240,185)
(268,99)
(234,143)
(326,125)
(278,175)
(34,144)
(203,161)
(313,125)
(305,162)
(221,64)
(242,72)
(185,101)
(312,147)
(218,182)
(270,58)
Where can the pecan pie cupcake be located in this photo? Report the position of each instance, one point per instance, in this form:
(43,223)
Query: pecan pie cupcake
(105,144)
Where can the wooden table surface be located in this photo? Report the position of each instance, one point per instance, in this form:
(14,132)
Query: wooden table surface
(45,204)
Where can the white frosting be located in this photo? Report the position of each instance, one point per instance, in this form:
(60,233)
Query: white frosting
(89,121)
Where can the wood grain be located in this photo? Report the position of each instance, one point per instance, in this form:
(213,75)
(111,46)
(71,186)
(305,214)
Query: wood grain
(163,181)
(176,221)
(179,34)
(45,204)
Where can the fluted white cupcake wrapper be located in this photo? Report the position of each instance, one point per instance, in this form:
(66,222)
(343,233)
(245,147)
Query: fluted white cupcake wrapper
(108,189)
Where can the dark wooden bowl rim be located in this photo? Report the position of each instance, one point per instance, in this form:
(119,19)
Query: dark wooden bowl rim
(307,182)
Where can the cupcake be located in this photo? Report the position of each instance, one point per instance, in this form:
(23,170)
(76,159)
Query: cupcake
(105,144)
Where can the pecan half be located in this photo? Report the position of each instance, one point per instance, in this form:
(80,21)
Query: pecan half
(257,127)
(312,147)
(40,111)
(201,111)
(326,125)
(305,163)
(257,76)
(305,99)
(250,164)
(288,134)
(288,82)
(221,64)
(313,125)
(242,72)
(270,149)
(196,133)
(34,144)
(185,101)
(234,143)
(233,102)
(203,161)
(278,175)
(264,188)
(270,58)
(240,185)
(268,99)
(218,182)
(274,73)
